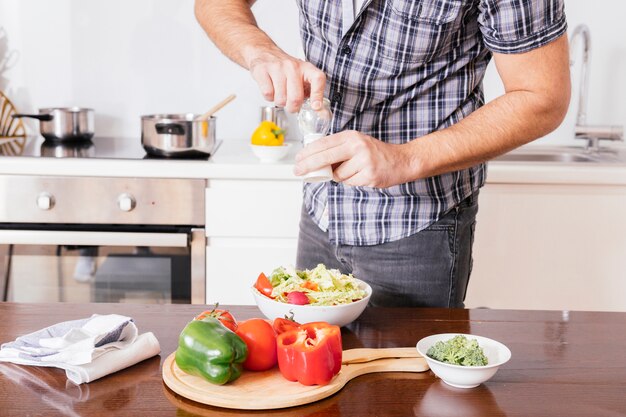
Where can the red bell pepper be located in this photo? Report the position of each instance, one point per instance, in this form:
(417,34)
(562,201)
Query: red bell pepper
(310,354)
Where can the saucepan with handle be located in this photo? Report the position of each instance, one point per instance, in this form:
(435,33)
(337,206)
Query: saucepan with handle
(180,135)
(64,124)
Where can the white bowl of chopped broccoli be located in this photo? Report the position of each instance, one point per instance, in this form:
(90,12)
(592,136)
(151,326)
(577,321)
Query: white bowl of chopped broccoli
(463,360)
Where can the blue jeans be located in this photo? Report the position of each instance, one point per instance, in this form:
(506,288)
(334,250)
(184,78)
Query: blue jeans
(428,269)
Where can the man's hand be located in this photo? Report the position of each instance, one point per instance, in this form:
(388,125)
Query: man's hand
(282,78)
(357,160)
(286,80)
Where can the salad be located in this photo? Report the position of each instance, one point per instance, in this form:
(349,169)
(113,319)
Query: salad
(317,287)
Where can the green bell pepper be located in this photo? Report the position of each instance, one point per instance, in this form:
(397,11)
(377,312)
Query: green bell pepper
(208,349)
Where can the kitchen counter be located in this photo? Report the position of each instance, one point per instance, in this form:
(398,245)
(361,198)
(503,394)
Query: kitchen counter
(234,160)
(563,363)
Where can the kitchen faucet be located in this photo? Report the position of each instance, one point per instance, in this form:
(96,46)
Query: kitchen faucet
(593,134)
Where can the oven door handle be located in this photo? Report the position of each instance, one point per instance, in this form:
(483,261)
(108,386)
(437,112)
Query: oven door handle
(54,237)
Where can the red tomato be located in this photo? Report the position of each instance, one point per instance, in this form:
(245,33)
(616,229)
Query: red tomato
(284,325)
(223,316)
(261,340)
(263,285)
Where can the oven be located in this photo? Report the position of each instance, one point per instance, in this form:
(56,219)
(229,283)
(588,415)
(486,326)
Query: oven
(102,239)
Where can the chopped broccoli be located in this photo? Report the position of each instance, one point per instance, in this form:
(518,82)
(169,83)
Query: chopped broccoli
(458,351)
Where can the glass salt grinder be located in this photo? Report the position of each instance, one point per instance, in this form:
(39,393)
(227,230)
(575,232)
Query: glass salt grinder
(315,124)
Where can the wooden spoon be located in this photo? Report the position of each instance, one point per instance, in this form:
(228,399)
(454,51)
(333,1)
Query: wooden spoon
(367,355)
(215,108)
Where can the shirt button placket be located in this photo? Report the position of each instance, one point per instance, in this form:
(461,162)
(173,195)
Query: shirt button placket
(346,51)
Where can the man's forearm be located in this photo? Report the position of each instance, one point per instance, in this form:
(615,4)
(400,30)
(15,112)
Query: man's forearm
(506,123)
(537,86)
(232,27)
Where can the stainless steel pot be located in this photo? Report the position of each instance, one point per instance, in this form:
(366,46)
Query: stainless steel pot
(274,114)
(277,115)
(65,124)
(177,135)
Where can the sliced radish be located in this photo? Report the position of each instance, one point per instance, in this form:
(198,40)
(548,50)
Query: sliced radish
(298,298)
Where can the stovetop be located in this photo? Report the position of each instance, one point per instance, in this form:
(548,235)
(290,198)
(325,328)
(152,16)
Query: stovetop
(98,147)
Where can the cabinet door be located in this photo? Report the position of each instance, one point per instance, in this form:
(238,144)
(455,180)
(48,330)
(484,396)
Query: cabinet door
(233,264)
(554,247)
(244,208)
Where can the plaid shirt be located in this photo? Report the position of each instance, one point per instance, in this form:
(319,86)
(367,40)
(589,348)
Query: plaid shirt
(401,69)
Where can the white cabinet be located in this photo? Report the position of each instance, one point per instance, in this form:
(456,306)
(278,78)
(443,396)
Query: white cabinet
(233,265)
(544,246)
(251,226)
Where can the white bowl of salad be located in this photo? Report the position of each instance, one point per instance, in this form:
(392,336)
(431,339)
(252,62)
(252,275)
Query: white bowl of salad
(463,360)
(318,294)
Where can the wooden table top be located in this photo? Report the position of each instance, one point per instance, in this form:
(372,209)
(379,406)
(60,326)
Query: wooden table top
(563,363)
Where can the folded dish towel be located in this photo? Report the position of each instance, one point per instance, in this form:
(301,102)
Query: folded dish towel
(87,349)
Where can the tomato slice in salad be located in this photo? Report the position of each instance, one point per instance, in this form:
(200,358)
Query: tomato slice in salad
(263,285)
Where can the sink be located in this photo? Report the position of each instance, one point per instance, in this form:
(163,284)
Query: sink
(562,155)
(544,157)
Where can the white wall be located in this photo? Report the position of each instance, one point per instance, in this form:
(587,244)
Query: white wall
(128,58)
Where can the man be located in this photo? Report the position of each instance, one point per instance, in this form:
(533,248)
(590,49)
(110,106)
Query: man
(410,132)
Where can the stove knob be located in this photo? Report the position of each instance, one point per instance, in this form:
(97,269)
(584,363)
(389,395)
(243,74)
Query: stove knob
(126,202)
(45,201)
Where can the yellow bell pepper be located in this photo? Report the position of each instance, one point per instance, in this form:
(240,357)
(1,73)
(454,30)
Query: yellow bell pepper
(268,134)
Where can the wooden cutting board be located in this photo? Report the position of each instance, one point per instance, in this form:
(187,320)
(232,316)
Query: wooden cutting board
(269,390)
